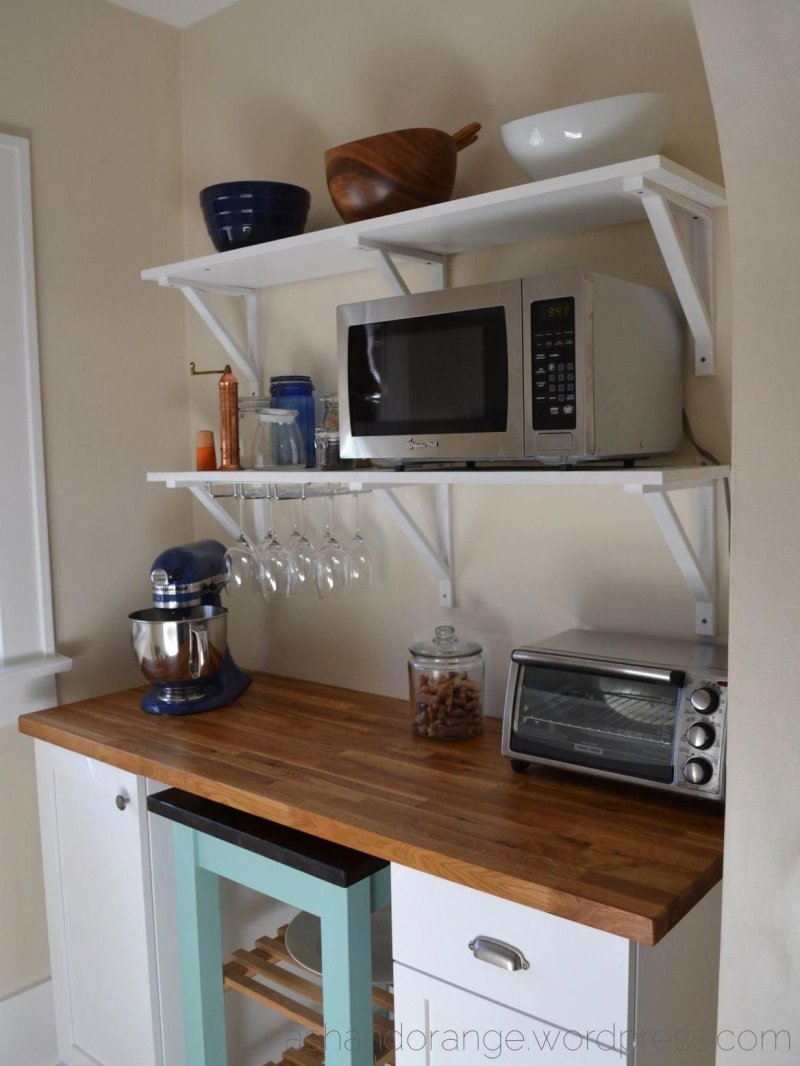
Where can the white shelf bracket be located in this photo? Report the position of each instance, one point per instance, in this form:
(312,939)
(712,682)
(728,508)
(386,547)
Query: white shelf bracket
(697,561)
(438,561)
(216,510)
(690,268)
(385,261)
(246,362)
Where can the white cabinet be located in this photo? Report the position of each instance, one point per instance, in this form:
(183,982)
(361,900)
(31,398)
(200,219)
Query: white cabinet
(583,996)
(99,911)
(439,1024)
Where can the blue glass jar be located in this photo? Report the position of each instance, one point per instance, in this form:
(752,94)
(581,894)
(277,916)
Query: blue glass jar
(296,392)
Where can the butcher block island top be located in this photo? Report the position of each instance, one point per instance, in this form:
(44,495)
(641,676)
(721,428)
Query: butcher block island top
(343,765)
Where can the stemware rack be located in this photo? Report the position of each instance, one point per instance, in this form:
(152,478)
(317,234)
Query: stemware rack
(267,973)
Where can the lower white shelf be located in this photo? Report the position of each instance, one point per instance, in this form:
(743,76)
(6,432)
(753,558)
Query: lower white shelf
(695,553)
(667,477)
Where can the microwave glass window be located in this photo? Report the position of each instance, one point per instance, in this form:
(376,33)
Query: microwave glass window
(435,374)
(591,719)
(553,357)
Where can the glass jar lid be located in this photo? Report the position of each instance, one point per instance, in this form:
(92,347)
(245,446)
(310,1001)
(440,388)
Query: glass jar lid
(277,414)
(445,645)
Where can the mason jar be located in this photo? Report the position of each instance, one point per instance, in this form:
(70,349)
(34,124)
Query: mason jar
(446,686)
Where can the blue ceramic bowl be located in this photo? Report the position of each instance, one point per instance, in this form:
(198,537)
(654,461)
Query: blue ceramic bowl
(240,229)
(245,216)
(235,189)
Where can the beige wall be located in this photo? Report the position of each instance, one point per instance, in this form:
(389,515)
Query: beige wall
(751,52)
(96,89)
(307,76)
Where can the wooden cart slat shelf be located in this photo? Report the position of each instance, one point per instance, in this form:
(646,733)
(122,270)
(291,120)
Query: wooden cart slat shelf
(248,972)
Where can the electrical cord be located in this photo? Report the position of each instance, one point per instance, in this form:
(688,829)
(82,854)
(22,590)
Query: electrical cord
(704,453)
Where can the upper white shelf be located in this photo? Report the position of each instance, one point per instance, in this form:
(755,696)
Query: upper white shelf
(634,477)
(574,202)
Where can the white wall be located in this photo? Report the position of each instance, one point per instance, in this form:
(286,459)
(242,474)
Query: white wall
(751,52)
(307,76)
(96,90)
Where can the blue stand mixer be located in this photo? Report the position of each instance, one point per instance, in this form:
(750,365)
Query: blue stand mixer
(181,642)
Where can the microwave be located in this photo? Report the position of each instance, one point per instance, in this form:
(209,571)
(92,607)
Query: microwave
(561,368)
(631,708)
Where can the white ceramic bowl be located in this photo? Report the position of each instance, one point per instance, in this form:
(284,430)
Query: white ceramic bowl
(588,135)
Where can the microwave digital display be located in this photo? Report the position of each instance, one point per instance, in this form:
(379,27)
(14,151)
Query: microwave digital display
(553,377)
(431,374)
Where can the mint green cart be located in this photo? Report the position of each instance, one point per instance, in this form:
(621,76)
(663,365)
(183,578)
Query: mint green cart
(342,886)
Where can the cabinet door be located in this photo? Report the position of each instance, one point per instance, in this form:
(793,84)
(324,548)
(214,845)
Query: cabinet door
(99,910)
(438,1024)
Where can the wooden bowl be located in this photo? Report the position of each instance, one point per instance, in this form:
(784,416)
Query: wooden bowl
(394,171)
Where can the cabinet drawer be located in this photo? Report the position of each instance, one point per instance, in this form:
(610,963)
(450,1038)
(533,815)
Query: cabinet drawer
(579,978)
(437,1024)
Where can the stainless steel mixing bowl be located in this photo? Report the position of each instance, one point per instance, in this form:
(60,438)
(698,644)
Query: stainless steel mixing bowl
(179,645)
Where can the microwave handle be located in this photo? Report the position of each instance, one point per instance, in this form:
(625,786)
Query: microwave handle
(582,666)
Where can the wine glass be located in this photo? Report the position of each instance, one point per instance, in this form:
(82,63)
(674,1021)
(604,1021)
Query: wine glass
(302,553)
(360,575)
(332,570)
(241,568)
(274,565)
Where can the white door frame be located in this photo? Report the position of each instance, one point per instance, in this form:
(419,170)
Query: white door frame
(27,644)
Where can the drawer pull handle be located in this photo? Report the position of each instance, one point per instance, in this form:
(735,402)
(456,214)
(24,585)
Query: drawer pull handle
(498,953)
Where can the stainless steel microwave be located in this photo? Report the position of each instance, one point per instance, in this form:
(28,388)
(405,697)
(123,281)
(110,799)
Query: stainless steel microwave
(639,709)
(564,367)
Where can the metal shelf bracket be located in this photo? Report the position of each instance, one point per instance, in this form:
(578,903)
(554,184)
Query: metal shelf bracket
(385,255)
(690,263)
(695,555)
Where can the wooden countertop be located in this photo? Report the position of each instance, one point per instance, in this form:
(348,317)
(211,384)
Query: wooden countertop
(343,765)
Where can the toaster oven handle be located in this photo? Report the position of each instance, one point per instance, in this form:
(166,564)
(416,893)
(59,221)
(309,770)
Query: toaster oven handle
(583,666)
(498,953)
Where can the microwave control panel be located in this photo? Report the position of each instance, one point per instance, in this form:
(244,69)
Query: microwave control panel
(701,748)
(553,350)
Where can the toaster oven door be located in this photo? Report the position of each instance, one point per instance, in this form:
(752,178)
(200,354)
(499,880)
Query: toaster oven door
(602,717)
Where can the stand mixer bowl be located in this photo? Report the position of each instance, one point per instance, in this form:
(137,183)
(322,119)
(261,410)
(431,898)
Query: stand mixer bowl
(180,647)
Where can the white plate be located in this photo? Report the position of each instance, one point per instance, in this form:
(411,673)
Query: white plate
(304,944)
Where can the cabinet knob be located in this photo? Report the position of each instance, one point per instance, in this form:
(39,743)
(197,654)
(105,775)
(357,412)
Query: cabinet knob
(122,801)
(498,953)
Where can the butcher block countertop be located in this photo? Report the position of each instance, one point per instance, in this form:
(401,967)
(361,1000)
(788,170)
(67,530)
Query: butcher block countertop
(343,765)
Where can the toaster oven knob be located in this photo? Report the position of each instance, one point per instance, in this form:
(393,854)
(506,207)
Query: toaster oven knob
(698,771)
(701,736)
(704,700)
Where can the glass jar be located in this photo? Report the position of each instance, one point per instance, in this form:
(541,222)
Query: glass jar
(446,686)
(249,409)
(330,412)
(278,443)
(295,392)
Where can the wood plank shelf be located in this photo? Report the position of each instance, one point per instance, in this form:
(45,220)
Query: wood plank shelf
(256,972)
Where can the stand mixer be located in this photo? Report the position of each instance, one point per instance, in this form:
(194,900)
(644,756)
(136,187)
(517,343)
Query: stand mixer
(181,642)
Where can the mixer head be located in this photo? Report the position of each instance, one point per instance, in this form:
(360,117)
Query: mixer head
(188,575)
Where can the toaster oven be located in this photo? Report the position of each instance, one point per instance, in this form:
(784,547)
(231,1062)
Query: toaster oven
(631,708)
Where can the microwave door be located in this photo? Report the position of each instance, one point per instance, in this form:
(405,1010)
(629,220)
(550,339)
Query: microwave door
(602,721)
(434,376)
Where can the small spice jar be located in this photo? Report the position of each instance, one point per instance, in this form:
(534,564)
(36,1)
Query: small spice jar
(446,686)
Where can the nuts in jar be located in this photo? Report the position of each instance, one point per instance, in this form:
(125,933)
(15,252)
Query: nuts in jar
(446,687)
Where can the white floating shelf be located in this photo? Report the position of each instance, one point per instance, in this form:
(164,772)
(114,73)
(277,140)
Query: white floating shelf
(640,477)
(574,202)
